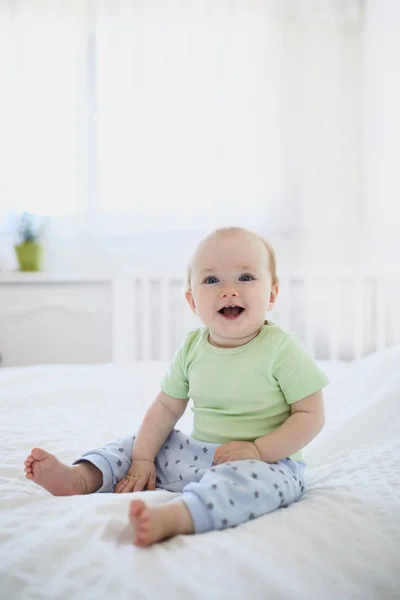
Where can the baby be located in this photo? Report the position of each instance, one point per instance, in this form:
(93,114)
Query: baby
(257,402)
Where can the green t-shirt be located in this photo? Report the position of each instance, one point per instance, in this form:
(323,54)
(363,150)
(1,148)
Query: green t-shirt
(242,393)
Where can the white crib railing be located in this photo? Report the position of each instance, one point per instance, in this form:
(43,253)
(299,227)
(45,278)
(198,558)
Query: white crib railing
(338,315)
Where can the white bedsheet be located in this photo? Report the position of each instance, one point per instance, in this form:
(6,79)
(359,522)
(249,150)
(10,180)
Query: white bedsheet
(340,542)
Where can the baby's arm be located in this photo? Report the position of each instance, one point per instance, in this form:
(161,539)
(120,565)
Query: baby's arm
(303,425)
(156,426)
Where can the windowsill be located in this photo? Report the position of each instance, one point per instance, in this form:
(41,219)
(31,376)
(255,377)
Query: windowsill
(16,277)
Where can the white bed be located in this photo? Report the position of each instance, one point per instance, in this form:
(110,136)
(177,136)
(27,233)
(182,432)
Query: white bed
(340,542)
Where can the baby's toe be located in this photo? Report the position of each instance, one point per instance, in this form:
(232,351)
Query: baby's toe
(39,454)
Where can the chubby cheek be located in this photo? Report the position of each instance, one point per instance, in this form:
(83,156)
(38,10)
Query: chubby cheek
(204,304)
(260,303)
(207,311)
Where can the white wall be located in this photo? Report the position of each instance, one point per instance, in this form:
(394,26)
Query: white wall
(382,129)
(351,221)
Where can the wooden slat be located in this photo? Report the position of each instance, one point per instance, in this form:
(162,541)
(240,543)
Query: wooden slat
(359,303)
(309,301)
(145,319)
(124,332)
(380,315)
(334,317)
(165,325)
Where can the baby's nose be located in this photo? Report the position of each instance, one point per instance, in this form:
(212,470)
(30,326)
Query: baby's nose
(229,293)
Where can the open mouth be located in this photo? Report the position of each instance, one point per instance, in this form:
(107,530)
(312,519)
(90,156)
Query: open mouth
(231,312)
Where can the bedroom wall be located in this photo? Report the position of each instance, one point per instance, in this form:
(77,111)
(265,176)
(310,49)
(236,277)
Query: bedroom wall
(354,224)
(316,195)
(362,230)
(382,130)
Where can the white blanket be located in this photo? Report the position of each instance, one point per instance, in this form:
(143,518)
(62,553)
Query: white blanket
(340,542)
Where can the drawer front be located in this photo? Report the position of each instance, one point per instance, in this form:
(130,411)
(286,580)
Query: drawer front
(55,323)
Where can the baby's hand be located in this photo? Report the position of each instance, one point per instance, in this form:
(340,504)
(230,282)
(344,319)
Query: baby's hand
(141,476)
(236,451)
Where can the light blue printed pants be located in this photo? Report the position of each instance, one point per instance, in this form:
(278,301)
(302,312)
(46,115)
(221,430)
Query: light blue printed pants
(217,496)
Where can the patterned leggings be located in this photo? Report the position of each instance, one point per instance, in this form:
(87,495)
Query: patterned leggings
(217,497)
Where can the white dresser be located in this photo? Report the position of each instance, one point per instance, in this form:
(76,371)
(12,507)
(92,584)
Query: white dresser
(55,318)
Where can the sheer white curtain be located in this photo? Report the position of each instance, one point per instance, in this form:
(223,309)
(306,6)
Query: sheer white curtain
(149,115)
(40,55)
(215,112)
(188,111)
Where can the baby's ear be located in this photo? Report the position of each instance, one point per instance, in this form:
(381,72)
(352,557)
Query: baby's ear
(273,296)
(190,300)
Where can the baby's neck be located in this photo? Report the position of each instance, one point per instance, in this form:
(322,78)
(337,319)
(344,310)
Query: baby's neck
(220,342)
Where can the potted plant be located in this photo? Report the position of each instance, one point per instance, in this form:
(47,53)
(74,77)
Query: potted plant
(29,251)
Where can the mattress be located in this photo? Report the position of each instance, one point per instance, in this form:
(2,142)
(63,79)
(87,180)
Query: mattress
(341,541)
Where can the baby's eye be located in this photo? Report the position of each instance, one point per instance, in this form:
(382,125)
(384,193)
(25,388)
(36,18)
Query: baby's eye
(246,278)
(210,280)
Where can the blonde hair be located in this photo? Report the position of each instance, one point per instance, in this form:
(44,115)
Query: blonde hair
(232,230)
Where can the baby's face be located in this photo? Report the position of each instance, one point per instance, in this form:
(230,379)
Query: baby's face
(231,287)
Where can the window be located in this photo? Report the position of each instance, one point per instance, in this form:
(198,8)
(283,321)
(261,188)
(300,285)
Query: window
(39,115)
(148,118)
(187,119)
(149,115)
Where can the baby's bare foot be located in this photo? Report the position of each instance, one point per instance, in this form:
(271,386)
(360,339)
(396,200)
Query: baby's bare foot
(155,524)
(56,477)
